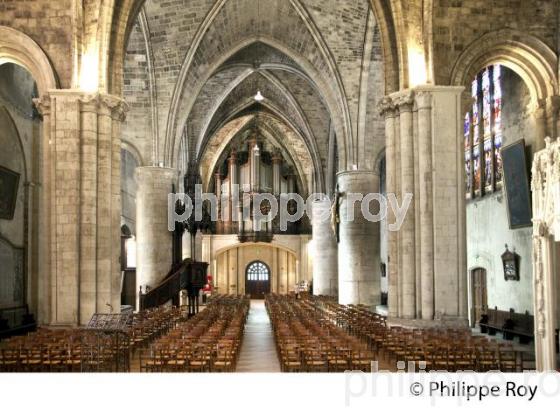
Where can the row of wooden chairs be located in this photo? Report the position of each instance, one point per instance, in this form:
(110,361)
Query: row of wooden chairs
(306,341)
(148,325)
(208,342)
(84,350)
(448,349)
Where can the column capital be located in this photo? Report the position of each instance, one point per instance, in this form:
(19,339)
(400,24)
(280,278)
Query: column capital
(232,157)
(424,99)
(386,106)
(100,103)
(43,104)
(403,100)
(89,103)
(116,106)
(277,157)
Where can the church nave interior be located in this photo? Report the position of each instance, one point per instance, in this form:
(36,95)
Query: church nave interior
(291,123)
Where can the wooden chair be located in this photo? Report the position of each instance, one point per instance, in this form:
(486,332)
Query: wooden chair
(292,361)
(507,358)
(486,359)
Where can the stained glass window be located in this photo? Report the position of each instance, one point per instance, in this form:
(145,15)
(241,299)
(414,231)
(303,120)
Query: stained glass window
(487,163)
(258,271)
(498,123)
(483,134)
(467,131)
(476,167)
(497,99)
(468,170)
(486,105)
(476,128)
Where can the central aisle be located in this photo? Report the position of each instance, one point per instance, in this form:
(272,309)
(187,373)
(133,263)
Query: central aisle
(258,351)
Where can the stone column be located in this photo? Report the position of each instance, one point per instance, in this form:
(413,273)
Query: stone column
(387,109)
(45,214)
(426,243)
(417,257)
(153,238)
(81,201)
(240,267)
(404,101)
(233,277)
(441,261)
(396,168)
(358,281)
(218,189)
(539,114)
(448,201)
(325,257)
(305,260)
(330,178)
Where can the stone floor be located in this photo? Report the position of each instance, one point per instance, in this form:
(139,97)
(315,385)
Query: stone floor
(258,351)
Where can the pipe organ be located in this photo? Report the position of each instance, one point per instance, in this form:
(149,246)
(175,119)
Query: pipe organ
(251,168)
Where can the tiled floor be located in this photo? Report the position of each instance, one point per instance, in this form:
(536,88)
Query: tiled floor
(258,351)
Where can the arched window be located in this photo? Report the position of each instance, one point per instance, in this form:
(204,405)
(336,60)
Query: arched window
(131,253)
(128,249)
(258,271)
(483,134)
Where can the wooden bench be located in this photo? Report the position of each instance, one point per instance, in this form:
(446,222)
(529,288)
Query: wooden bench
(493,321)
(510,323)
(521,325)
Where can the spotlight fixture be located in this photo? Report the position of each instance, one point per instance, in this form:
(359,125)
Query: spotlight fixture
(259,97)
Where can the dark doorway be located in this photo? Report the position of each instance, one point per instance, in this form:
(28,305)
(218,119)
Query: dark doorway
(479,295)
(257,280)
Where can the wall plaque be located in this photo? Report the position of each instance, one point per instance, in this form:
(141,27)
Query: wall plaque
(516,183)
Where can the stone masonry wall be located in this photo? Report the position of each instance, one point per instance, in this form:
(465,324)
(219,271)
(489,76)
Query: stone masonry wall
(457,23)
(49,23)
